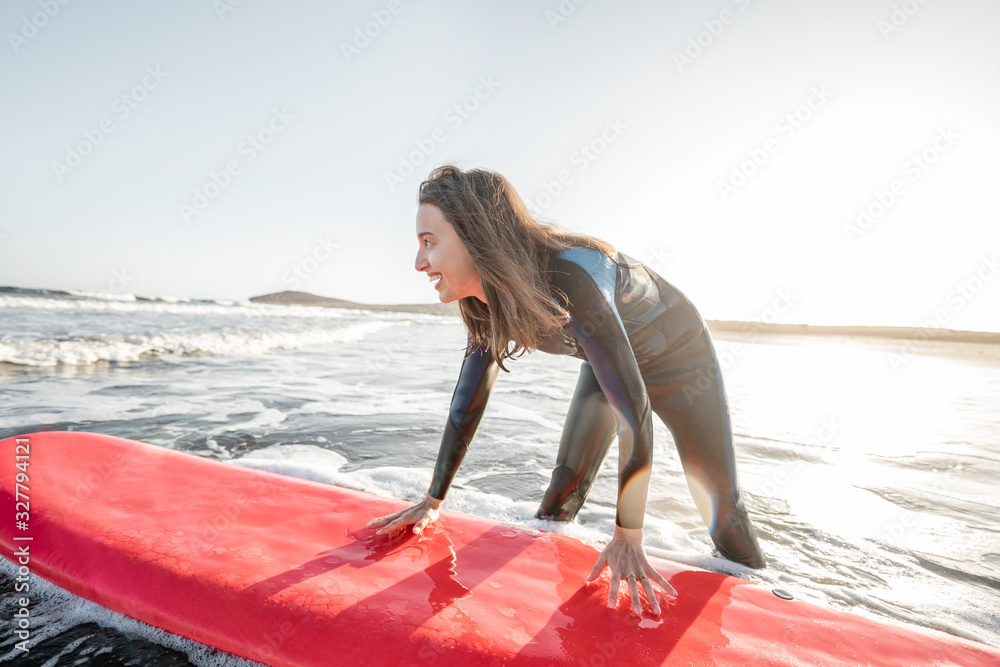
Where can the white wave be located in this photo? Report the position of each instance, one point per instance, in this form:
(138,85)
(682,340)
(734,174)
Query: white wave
(217,307)
(108,296)
(176,299)
(92,349)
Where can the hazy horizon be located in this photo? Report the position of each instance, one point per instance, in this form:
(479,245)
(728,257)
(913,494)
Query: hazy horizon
(919,334)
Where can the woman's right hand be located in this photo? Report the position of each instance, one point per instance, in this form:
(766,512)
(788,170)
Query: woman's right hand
(419,516)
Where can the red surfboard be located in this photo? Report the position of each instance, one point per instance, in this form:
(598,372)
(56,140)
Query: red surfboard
(283,571)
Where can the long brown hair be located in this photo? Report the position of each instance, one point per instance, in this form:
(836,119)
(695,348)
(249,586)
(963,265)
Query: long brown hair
(512,251)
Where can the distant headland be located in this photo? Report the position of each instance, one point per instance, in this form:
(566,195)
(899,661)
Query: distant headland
(306,299)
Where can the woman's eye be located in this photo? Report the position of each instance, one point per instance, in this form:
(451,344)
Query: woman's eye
(427,243)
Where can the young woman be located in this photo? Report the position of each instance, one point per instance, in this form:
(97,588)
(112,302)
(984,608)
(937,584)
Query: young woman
(525,286)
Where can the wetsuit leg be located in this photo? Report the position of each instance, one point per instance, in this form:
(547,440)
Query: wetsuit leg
(688,394)
(587,434)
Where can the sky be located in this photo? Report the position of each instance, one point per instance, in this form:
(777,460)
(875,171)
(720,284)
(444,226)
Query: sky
(799,162)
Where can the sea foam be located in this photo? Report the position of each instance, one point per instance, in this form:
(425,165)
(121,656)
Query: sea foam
(96,348)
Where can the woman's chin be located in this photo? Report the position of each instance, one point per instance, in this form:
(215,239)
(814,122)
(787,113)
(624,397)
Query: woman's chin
(447,295)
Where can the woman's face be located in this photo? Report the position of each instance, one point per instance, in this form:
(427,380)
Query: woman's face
(444,257)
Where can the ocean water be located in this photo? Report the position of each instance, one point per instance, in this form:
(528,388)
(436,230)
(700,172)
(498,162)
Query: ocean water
(869,466)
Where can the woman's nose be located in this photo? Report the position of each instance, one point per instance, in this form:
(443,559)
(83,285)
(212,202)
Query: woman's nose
(421,262)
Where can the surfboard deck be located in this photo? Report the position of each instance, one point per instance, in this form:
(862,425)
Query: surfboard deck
(283,571)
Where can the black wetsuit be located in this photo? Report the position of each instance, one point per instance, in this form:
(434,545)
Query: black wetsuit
(645,349)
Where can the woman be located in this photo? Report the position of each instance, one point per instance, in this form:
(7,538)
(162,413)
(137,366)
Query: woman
(524,286)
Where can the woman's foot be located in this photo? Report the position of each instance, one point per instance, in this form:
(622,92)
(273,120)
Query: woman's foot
(562,500)
(735,537)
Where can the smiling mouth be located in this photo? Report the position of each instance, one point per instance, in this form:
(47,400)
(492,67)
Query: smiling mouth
(435,278)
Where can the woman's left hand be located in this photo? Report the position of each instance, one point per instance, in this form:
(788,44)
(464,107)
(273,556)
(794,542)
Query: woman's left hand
(627,560)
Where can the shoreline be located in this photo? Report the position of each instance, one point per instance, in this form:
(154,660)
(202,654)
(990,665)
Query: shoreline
(721,327)
(715,326)
(856,331)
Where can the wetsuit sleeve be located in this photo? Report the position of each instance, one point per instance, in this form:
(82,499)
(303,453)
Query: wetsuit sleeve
(598,330)
(475,384)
